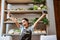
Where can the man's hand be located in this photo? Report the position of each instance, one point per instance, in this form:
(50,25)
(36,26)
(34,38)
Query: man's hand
(44,11)
(40,18)
(9,14)
(13,19)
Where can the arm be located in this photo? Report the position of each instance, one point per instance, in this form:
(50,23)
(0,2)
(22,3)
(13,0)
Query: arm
(13,19)
(40,18)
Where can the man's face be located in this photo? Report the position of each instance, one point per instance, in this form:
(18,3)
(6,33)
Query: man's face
(25,23)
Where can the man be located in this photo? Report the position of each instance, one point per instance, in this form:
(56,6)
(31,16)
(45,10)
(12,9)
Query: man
(26,30)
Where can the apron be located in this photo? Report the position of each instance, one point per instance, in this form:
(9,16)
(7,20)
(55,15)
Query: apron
(26,34)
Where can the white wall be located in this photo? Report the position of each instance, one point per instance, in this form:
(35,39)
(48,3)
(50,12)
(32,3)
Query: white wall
(52,26)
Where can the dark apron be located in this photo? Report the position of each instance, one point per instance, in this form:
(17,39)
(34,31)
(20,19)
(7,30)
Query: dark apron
(26,35)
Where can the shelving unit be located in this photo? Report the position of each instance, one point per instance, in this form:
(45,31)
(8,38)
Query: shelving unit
(4,11)
(10,22)
(20,34)
(24,11)
(21,2)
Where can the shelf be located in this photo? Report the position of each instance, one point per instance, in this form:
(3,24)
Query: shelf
(24,11)
(10,22)
(21,2)
(25,3)
(20,34)
(7,21)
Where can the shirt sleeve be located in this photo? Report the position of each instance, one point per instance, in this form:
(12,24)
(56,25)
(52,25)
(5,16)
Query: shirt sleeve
(32,28)
(21,27)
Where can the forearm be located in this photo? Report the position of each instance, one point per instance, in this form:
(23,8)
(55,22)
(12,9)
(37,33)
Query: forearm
(15,21)
(17,24)
(40,18)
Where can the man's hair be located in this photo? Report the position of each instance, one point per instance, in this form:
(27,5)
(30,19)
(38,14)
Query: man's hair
(25,19)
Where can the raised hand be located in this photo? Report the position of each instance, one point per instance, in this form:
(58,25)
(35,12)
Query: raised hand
(9,14)
(44,11)
(40,18)
(13,19)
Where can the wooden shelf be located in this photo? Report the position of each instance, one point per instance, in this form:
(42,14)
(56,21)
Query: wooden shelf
(24,11)
(10,22)
(20,34)
(21,2)
(24,3)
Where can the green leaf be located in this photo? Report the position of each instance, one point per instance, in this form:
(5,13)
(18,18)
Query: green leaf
(17,30)
(45,20)
(35,7)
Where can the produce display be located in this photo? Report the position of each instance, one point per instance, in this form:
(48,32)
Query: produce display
(11,31)
(39,32)
(43,7)
(35,7)
(45,21)
(34,20)
(30,8)
(17,31)
(43,31)
(14,31)
(17,9)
